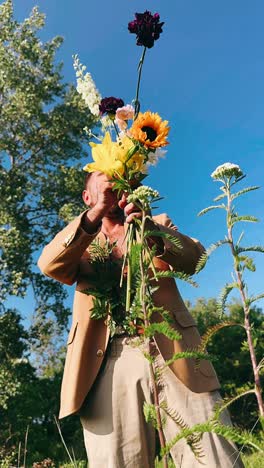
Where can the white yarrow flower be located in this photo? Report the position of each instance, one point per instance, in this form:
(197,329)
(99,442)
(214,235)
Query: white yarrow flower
(143,194)
(227,170)
(86,87)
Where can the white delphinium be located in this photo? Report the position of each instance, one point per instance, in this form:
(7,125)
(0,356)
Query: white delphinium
(86,87)
(106,122)
(227,170)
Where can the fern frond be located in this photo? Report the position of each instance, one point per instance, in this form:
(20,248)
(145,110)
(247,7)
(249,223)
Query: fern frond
(192,354)
(215,246)
(201,262)
(164,328)
(228,432)
(205,256)
(211,331)
(176,274)
(245,190)
(150,414)
(100,253)
(210,208)
(174,415)
(221,303)
(194,440)
(223,404)
(164,235)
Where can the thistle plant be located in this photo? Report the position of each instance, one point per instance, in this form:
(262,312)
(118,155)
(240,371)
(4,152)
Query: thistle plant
(229,175)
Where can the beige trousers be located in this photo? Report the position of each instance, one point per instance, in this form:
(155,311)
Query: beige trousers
(116,434)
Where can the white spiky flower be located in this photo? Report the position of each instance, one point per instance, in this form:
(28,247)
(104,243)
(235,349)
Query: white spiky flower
(86,87)
(227,170)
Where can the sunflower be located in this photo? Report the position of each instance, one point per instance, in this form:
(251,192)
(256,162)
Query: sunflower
(150,130)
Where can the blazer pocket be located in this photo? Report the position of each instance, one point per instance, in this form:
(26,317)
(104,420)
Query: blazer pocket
(206,368)
(184,318)
(72,333)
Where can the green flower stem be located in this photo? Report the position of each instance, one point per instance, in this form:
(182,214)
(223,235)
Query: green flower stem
(246,307)
(143,293)
(130,241)
(116,129)
(140,65)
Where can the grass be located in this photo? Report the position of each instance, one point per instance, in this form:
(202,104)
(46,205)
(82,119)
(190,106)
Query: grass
(255,460)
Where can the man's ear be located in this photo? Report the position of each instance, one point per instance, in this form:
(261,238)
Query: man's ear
(86,197)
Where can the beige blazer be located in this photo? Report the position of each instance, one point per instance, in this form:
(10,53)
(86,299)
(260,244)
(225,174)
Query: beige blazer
(65,259)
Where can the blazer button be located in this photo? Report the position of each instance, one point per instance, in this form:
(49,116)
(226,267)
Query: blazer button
(99,353)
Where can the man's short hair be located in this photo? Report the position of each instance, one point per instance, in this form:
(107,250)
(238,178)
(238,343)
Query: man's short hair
(86,179)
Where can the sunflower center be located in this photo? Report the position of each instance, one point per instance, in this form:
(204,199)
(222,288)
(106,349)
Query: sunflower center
(151,133)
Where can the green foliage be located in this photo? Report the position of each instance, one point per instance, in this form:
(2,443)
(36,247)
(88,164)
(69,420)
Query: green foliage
(229,432)
(253,460)
(243,191)
(230,174)
(221,303)
(205,256)
(41,142)
(41,137)
(150,414)
(164,328)
(233,364)
(210,208)
(246,218)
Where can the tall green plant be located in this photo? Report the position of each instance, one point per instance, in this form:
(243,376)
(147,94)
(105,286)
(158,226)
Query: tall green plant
(229,175)
(141,316)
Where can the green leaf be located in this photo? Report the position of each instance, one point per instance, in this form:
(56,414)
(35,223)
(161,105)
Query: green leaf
(164,328)
(209,208)
(245,190)
(253,299)
(191,354)
(205,256)
(252,248)
(150,414)
(221,303)
(236,219)
(211,331)
(176,274)
(220,197)
(164,235)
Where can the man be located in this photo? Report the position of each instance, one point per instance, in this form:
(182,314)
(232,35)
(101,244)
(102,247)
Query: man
(110,398)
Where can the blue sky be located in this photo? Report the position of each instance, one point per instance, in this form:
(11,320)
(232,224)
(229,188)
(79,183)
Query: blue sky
(205,75)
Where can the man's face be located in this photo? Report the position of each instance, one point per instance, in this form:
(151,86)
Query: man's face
(90,196)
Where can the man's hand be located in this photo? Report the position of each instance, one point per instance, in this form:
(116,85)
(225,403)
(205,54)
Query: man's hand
(131,211)
(100,196)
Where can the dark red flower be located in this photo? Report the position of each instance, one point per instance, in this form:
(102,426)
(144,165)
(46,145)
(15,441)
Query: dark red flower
(109,105)
(147,28)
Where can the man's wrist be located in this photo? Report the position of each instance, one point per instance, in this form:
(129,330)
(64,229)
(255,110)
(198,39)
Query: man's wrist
(92,220)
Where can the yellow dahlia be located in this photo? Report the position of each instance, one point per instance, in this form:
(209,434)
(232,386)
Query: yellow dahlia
(150,130)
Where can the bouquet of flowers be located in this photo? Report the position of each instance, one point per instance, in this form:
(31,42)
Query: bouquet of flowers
(128,141)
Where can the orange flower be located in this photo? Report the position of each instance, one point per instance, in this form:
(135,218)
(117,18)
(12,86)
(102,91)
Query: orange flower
(150,130)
